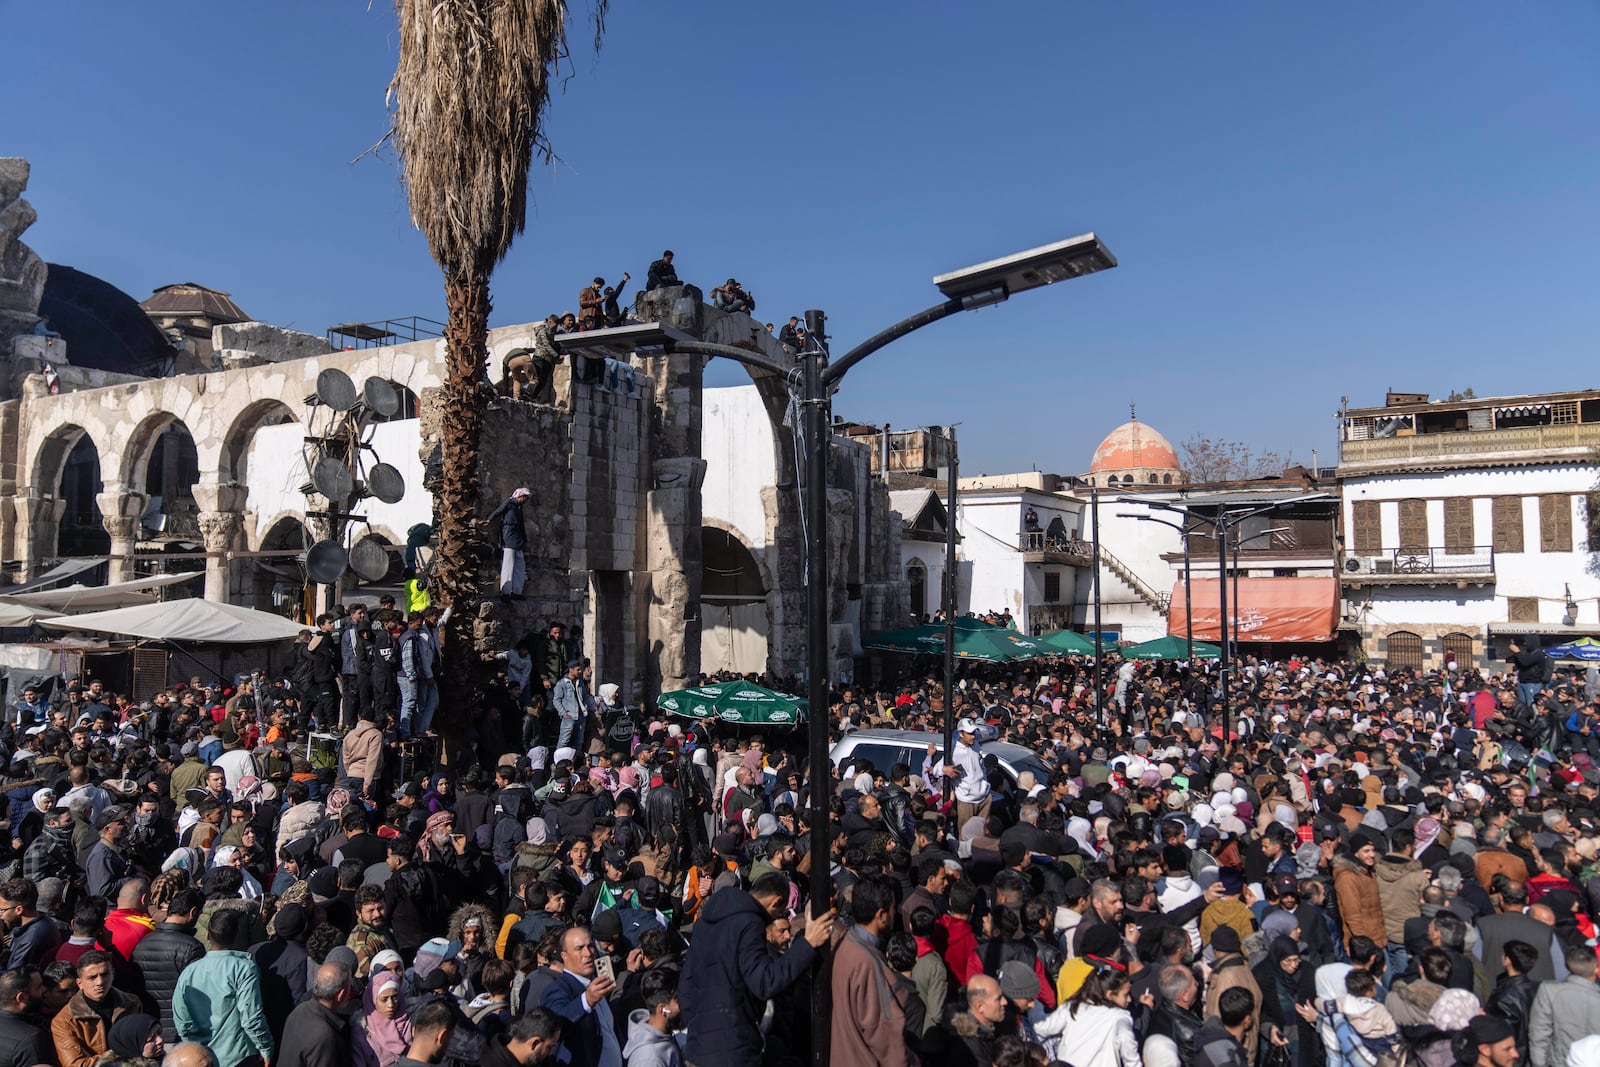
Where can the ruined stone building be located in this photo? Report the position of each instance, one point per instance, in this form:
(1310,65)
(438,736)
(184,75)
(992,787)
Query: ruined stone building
(108,449)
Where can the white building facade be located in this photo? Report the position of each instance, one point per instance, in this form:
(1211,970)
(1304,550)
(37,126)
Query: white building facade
(1467,522)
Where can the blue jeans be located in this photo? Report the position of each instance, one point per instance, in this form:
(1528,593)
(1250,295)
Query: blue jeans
(571,733)
(417,702)
(1528,692)
(1398,960)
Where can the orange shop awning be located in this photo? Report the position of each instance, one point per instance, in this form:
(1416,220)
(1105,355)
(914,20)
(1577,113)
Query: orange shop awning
(1267,609)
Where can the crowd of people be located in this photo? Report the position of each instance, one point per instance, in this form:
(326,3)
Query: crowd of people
(1367,869)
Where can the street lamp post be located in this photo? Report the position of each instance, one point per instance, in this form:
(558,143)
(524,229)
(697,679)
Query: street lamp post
(1099,638)
(1221,522)
(969,289)
(951,475)
(1188,608)
(1239,541)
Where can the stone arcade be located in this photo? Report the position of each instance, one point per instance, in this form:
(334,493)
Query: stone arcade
(616,467)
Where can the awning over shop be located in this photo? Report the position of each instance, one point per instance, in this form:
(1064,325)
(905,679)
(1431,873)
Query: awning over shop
(1266,609)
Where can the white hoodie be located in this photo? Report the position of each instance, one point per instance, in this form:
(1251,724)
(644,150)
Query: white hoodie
(1098,1035)
(1177,890)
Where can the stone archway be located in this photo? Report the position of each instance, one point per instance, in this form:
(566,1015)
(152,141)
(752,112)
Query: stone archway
(277,583)
(58,514)
(735,603)
(160,469)
(234,458)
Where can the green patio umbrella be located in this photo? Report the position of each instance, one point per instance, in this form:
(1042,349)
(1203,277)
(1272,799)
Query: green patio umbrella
(1066,642)
(928,637)
(998,645)
(1170,648)
(736,702)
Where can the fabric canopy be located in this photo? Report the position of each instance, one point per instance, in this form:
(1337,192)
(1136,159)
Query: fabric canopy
(91,598)
(1267,609)
(1170,648)
(13,614)
(185,620)
(59,573)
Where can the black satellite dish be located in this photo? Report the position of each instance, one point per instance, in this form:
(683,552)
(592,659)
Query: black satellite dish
(332,478)
(326,562)
(336,390)
(380,397)
(385,483)
(369,559)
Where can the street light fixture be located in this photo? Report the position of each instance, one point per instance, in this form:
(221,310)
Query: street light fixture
(968,289)
(1184,530)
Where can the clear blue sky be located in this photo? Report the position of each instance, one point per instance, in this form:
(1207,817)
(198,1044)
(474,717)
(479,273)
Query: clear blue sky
(1307,201)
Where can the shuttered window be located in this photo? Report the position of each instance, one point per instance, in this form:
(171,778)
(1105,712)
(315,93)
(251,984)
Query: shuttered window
(1508,524)
(1522,609)
(1555,523)
(1366,530)
(1413,525)
(1458,535)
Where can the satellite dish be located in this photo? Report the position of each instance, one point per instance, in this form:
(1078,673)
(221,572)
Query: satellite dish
(369,559)
(335,389)
(380,396)
(385,483)
(326,562)
(332,478)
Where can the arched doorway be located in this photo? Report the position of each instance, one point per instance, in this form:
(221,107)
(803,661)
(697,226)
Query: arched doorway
(733,596)
(1404,650)
(165,467)
(277,581)
(68,467)
(917,579)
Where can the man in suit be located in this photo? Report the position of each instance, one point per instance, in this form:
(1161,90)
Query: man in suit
(1513,923)
(578,996)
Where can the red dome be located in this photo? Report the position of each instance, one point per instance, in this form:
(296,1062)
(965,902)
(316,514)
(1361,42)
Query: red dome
(1134,446)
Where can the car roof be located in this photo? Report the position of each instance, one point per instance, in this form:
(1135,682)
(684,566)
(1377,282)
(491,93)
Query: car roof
(1006,750)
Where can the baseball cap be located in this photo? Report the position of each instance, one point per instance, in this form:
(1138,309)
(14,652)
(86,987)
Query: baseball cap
(1286,885)
(967,726)
(113,814)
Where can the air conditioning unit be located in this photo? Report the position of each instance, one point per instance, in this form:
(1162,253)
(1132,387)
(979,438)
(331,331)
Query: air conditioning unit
(1357,565)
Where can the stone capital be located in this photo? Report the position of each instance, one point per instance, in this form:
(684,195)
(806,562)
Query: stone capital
(220,529)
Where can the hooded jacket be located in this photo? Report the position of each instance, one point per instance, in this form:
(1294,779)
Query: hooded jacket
(1360,901)
(728,974)
(1400,885)
(647,1046)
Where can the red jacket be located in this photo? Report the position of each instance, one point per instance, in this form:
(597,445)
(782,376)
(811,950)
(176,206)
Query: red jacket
(127,927)
(961,949)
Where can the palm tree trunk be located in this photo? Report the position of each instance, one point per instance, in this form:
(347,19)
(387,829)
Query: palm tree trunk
(465,392)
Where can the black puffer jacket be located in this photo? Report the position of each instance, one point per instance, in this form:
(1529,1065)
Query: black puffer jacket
(22,1043)
(161,955)
(1512,1000)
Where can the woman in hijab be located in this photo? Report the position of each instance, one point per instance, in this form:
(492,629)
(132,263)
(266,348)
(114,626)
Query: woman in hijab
(441,794)
(381,1034)
(1284,986)
(231,856)
(134,1040)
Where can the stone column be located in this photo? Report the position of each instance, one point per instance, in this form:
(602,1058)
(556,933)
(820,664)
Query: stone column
(674,559)
(38,527)
(120,511)
(221,522)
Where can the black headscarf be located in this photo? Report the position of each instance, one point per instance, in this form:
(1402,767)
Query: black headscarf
(128,1034)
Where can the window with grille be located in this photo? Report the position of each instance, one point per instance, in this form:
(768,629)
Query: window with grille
(1405,650)
(1460,646)
(1413,525)
(1563,412)
(1522,609)
(1052,587)
(1458,524)
(1366,528)
(1555,523)
(1508,524)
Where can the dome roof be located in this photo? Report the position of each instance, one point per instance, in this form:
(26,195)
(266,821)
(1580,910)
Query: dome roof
(1134,446)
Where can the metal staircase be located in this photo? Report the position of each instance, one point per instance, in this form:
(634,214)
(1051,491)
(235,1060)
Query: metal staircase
(1156,600)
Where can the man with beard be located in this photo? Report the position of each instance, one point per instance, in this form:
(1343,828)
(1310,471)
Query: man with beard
(22,1042)
(32,936)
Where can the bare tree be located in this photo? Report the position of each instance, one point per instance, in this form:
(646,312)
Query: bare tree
(1217,459)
